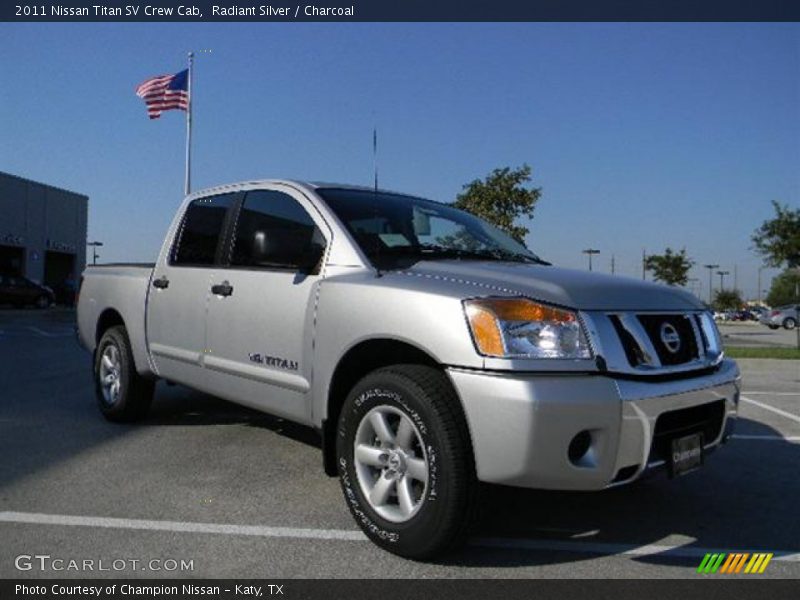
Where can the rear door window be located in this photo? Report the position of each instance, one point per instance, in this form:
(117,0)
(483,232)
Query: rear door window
(201,230)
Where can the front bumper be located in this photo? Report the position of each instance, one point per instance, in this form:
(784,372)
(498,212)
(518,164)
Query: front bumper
(522,424)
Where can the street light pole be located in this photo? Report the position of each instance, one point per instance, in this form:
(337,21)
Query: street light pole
(94,246)
(759,285)
(590,251)
(722,279)
(710,281)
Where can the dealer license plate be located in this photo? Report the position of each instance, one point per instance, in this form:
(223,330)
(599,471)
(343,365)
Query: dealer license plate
(687,454)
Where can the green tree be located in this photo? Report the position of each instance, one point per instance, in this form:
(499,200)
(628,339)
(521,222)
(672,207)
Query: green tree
(671,267)
(728,300)
(778,239)
(784,289)
(501,198)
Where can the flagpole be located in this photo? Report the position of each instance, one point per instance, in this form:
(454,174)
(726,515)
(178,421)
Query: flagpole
(188,182)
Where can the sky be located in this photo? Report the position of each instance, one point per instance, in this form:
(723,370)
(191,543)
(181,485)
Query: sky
(641,136)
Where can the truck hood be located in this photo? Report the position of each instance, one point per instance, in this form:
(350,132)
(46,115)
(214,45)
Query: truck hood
(582,290)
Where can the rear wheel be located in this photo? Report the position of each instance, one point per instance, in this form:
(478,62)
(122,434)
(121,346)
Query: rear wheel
(42,302)
(789,323)
(122,394)
(405,461)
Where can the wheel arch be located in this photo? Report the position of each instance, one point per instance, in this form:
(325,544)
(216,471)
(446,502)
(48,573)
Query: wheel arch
(361,359)
(109,318)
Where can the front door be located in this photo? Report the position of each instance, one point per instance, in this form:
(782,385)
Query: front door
(261,310)
(180,289)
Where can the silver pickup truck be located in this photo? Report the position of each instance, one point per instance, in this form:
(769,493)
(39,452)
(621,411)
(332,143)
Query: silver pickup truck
(429,349)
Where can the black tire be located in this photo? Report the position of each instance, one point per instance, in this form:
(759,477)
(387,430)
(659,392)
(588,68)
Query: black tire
(773,326)
(135,393)
(42,302)
(789,323)
(446,507)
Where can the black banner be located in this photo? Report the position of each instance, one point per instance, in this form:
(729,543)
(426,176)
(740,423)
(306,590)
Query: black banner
(406,10)
(399,589)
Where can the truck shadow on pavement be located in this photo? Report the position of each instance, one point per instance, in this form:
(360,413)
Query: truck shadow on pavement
(740,500)
(187,407)
(743,499)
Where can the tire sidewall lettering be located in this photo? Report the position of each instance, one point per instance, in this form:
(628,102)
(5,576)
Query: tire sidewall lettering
(365,401)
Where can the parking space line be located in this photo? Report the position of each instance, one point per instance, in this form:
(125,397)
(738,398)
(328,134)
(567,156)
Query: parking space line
(768,438)
(580,547)
(773,393)
(41,332)
(180,526)
(777,411)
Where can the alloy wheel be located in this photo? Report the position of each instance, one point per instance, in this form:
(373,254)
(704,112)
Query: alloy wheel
(391,463)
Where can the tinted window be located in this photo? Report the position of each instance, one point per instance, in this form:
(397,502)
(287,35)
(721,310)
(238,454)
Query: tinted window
(274,231)
(201,229)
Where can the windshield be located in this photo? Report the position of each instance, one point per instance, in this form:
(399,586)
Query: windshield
(395,231)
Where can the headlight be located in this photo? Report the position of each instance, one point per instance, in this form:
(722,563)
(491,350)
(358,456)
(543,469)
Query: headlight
(521,328)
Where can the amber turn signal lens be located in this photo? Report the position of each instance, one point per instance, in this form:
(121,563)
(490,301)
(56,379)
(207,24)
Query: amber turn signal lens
(485,330)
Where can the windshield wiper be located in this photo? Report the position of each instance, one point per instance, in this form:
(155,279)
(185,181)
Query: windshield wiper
(518,256)
(487,253)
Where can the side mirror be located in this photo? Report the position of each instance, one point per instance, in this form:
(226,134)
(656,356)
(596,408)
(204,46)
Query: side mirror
(310,259)
(287,251)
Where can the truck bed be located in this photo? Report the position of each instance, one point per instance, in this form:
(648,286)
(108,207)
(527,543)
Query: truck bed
(117,292)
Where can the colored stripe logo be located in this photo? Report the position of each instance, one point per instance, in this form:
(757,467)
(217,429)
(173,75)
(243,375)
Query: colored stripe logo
(734,563)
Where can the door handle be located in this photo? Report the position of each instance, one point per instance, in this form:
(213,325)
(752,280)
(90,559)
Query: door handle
(222,289)
(161,283)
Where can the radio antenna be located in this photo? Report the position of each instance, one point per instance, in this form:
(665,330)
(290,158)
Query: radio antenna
(378,241)
(375,155)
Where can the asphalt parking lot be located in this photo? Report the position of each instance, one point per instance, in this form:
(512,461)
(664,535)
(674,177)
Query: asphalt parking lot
(752,334)
(241,494)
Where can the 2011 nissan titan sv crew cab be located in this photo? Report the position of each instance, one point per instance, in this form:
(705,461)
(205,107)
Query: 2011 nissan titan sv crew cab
(430,350)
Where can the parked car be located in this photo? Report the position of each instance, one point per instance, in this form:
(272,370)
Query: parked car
(21,291)
(429,349)
(725,315)
(783,316)
(744,314)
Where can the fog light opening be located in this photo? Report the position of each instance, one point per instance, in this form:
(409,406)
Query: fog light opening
(579,448)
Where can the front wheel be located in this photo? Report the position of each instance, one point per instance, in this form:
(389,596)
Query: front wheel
(405,461)
(122,394)
(789,323)
(42,302)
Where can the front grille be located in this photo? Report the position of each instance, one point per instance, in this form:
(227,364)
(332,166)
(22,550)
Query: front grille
(682,351)
(706,419)
(663,339)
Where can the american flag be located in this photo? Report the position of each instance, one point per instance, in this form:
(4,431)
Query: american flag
(165,92)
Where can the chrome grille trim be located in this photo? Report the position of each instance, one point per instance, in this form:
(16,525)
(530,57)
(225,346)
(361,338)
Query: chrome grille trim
(603,335)
(634,327)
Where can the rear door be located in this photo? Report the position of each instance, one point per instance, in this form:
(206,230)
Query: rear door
(180,288)
(261,312)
